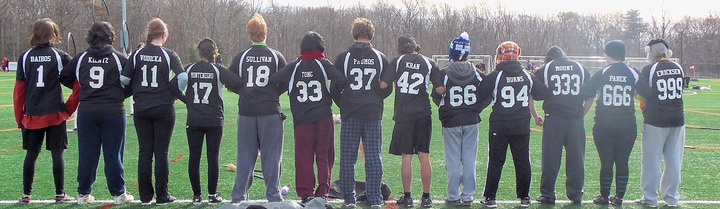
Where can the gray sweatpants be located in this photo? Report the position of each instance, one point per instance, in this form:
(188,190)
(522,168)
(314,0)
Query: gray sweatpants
(263,134)
(461,148)
(559,132)
(661,145)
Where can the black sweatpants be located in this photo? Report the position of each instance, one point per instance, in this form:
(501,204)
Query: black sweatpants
(520,148)
(614,144)
(154,128)
(196,136)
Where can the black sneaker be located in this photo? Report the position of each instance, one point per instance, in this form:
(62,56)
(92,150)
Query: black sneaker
(457,202)
(197,199)
(25,199)
(165,200)
(405,202)
(525,202)
(426,202)
(545,200)
(600,200)
(467,203)
(306,200)
(490,203)
(616,201)
(214,199)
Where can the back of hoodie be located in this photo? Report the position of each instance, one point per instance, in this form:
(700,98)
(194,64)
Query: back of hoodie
(511,87)
(97,70)
(461,103)
(563,78)
(362,97)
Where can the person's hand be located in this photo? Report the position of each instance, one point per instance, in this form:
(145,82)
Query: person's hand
(539,121)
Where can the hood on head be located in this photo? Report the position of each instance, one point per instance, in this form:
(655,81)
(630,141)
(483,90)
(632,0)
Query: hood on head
(312,41)
(553,53)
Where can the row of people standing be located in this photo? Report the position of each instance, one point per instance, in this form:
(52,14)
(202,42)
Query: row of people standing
(263,75)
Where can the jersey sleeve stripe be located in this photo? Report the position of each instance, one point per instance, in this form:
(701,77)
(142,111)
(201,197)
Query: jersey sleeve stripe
(652,72)
(135,58)
(292,76)
(530,80)
(545,73)
(397,65)
(25,61)
(497,83)
(427,77)
(77,67)
(634,73)
(477,75)
(582,73)
(217,78)
(277,63)
(322,68)
(380,61)
(59,60)
(167,59)
(347,59)
(119,65)
(240,63)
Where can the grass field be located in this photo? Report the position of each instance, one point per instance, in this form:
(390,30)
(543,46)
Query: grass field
(699,176)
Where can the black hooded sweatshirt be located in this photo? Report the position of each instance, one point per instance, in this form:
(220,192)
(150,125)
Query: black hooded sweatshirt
(97,70)
(362,97)
(461,104)
(510,88)
(563,78)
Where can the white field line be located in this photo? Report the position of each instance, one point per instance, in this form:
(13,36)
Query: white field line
(705,202)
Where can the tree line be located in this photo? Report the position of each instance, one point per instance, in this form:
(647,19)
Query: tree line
(695,40)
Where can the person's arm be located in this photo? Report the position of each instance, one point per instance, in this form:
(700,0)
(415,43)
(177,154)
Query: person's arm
(485,90)
(338,81)
(128,70)
(388,76)
(384,92)
(282,77)
(539,90)
(67,75)
(229,79)
(533,112)
(74,99)
(177,68)
(587,104)
(436,77)
(19,101)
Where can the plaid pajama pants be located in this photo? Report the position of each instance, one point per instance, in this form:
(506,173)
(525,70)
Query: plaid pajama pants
(314,140)
(370,132)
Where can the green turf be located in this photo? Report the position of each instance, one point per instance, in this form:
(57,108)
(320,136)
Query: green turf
(699,170)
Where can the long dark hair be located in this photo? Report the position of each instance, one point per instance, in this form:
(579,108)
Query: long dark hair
(100,33)
(208,49)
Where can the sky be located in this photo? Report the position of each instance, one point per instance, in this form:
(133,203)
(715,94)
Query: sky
(676,9)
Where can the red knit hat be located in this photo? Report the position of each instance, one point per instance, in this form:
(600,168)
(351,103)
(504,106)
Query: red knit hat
(508,51)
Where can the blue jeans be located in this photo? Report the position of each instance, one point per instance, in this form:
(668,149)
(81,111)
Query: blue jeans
(96,131)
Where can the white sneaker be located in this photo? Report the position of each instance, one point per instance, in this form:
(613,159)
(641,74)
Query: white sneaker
(85,199)
(123,198)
